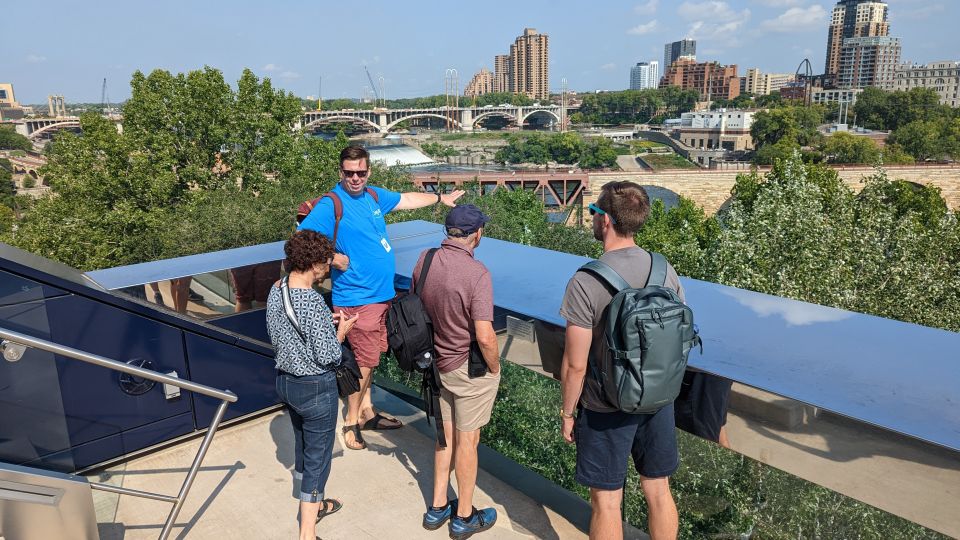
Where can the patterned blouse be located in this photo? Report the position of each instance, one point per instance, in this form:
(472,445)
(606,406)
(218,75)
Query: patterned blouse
(321,353)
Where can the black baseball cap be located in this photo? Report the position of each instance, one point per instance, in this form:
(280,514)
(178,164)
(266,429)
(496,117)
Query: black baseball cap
(466,218)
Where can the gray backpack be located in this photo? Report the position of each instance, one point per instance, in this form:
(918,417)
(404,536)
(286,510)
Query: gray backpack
(649,333)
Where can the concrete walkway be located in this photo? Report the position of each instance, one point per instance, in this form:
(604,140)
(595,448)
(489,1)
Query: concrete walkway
(245,488)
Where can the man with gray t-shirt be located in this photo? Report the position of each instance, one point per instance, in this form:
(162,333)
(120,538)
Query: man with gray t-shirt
(605,436)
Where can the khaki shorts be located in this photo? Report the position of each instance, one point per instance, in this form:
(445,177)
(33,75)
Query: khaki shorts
(368,337)
(465,401)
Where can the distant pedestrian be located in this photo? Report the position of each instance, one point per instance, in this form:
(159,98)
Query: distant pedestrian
(458,296)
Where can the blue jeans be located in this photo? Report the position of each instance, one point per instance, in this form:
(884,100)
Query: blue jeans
(312,403)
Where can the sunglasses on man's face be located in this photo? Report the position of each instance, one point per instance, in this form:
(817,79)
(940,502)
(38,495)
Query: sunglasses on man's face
(594,209)
(359,174)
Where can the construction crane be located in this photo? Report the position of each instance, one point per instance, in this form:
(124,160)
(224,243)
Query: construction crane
(374,87)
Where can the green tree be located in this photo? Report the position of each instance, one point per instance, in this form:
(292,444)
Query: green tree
(598,152)
(921,139)
(11,140)
(847,148)
(566,147)
(7,187)
(685,235)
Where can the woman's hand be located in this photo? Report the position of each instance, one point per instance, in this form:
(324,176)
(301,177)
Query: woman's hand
(344,324)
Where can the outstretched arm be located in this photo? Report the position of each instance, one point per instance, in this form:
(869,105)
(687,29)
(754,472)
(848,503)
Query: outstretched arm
(416,199)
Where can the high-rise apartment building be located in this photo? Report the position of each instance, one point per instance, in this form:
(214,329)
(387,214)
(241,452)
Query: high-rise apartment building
(673,51)
(529,65)
(645,75)
(760,84)
(501,73)
(712,80)
(480,84)
(941,77)
(850,19)
(868,61)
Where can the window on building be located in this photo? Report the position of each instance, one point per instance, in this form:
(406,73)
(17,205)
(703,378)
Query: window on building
(3,94)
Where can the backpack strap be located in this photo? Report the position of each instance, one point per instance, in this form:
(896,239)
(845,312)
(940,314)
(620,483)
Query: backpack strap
(658,270)
(606,274)
(426,268)
(373,194)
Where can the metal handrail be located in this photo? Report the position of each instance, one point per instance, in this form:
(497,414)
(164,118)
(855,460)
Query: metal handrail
(225,396)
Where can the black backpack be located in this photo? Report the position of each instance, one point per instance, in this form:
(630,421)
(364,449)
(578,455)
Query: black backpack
(409,328)
(410,337)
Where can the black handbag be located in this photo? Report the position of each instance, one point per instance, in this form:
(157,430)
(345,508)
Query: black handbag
(476,365)
(347,371)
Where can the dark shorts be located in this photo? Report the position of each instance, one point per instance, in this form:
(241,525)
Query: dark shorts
(701,407)
(604,440)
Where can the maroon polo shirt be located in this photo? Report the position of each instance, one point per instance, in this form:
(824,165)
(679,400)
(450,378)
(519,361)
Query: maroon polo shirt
(458,291)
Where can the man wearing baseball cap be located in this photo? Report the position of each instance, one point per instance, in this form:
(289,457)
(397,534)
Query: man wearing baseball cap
(458,296)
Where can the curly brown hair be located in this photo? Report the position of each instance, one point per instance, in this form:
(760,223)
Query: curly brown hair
(305,249)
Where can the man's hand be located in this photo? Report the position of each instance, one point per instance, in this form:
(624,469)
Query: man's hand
(341,262)
(450,199)
(566,429)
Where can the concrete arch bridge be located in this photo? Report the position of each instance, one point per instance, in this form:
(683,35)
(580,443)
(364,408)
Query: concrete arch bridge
(462,118)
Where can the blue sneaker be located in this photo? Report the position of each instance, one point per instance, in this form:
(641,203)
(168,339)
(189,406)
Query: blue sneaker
(479,521)
(434,519)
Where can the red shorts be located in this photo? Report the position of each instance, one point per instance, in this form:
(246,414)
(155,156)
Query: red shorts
(368,337)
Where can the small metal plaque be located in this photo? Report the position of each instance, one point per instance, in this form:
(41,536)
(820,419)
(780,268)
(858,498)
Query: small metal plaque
(520,329)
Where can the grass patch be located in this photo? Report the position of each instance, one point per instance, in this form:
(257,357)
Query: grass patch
(667,161)
(645,146)
(719,493)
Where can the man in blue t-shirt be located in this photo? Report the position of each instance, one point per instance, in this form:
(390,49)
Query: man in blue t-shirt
(363,271)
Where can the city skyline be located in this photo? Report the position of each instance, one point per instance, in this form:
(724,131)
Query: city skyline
(292,44)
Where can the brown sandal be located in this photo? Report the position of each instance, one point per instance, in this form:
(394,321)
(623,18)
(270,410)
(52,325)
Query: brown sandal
(358,442)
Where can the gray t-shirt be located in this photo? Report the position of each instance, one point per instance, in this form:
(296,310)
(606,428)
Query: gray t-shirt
(585,305)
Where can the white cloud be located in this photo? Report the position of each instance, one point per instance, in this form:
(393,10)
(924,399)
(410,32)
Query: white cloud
(797,19)
(714,20)
(648,8)
(779,3)
(710,10)
(271,67)
(643,29)
(35,58)
(289,75)
(609,66)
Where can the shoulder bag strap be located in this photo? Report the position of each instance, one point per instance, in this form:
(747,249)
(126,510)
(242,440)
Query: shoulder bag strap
(424,269)
(288,309)
(373,193)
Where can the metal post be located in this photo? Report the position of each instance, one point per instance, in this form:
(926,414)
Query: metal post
(188,482)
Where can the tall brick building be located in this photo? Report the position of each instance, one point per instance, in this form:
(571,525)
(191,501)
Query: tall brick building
(712,80)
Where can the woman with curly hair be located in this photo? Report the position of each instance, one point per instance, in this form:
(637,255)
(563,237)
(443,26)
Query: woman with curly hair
(307,344)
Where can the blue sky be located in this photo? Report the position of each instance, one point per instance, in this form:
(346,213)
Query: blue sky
(68,47)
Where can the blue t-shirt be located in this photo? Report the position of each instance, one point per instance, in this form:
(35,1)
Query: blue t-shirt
(362,236)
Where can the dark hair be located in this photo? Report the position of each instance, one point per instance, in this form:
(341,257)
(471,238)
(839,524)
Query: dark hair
(305,249)
(628,205)
(353,152)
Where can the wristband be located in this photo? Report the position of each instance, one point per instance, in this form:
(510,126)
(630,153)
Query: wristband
(565,414)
